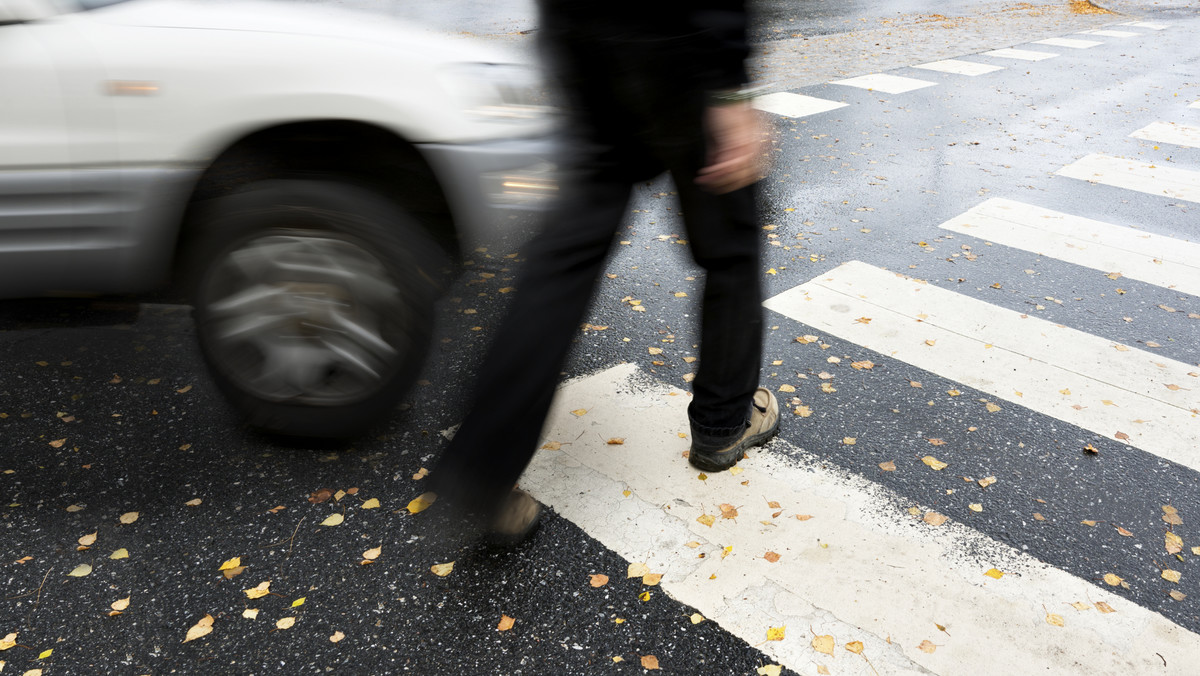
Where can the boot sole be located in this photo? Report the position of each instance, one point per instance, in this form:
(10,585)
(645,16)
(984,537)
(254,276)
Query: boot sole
(723,460)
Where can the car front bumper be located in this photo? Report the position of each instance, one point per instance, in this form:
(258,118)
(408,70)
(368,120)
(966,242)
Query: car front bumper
(489,185)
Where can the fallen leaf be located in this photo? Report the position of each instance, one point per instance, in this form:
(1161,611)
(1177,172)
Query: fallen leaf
(992,408)
(9,641)
(337,636)
(250,613)
(74,508)
(935,519)
(888,466)
(927,647)
(276,509)
(776,633)
(57,443)
(649,662)
(333,519)
(598,580)
(934,463)
(1104,607)
(128,518)
(88,540)
(506,623)
(728,511)
(1055,619)
(787,388)
(616,441)
(1171,575)
(1038,517)
(442,569)
(80,570)
(1174,543)
(936,442)
(373,553)
(373,503)
(1112,580)
(707,520)
(644,596)
(849,441)
(233,572)
(855,647)
(803,411)
(202,628)
(975,507)
(261,590)
(1124,532)
(822,644)
(285,623)
(120,604)
(422,473)
(865,364)
(231,563)
(987,481)
(421,502)
(637,570)
(803,517)
(1177,595)
(652,579)
(696,618)
(579,412)
(299,602)
(121,553)
(194,502)
(994,573)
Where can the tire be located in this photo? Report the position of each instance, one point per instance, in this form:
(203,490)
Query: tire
(313,303)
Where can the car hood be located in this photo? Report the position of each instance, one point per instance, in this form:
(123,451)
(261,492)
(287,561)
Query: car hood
(300,19)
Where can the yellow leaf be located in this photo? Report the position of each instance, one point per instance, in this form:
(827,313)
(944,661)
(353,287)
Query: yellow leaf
(120,604)
(80,570)
(285,623)
(931,342)
(1174,543)
(9,641)
(88,540)
(935,519)
(337,636)
(442,569)
(803,411)
(822,670)
(333,519)
(128,518)
(649,662)
(1055,619)
(934,463)
(654,350)
(726,551)
(849,441)
(1104,607)
(506,623)
(57,443)
(702,476)
(776,633)
(1088,522)
(259,591)
(638,570)
(772,272)
(645,596)
(992,408)
(579,412)
(707,520)
(927,647)
(696,618)
(975,507)
(1080,605)
(231,563)
(987,481)
(953,393)
(250,613)
(770,670)
(1112,580)
(616,441)
(728,511)
(1171,575)
(421,503)
(652,579)
(299,601)
(888,466)
(855,647)
(194,502)
(373,503)
(1177,595)
(373,553)
(233,572)
(994,573)
(823,644)
(46,653)
(421,474)
(202,628)
(619,620)
(121,553)
(598,580)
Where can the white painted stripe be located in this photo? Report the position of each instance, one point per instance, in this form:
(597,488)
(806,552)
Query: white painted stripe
(1031,362)
(1111,33)
(1194,104)
(861,569)
(1147,24)
(1021,54)
(795,105)
(1169,132)
(960,67)
(1181,184)
(891,84)
(1155,259)
(1068,42)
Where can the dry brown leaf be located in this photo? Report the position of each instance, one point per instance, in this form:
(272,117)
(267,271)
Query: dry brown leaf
(936,442)
(935,519)
(373,553)
(728,511)
(823,644)
(706,519)
(259,591)
(649,662)
(771,556)
(927,646)
(1174,543)
(855,647)
(598,580)
(120,604)
(1104,607)
(194,502)
(1124,532)
(442,569)
(888,466)
(233,572)
(1171,575)
(89,539)
(201,628)
(652,579)
(616,441)
(58,443)
(128,518)
(337,636)
(934,463)
(506,623)
(1177,595)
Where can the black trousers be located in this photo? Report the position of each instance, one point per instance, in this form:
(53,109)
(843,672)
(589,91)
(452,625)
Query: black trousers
(630,124)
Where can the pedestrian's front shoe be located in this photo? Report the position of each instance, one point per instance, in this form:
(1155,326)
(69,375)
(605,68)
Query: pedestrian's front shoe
(516,519)
(763,424)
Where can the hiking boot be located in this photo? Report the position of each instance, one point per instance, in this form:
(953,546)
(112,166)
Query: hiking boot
(763,424)
(516,519)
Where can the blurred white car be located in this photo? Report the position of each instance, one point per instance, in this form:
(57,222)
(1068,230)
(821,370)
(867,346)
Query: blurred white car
(310,170)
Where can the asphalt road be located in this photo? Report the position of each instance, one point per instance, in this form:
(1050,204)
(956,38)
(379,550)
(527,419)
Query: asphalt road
(107,411)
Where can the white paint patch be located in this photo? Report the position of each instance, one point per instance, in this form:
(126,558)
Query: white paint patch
(1041,366)
(1169,132)
(795,105)
(1181,184)
(1194,104)
(1111,33)
(1147,24)
(860,569)
(960,67)
(890,84)
(1021,54)
(1068,42)
(1162,261)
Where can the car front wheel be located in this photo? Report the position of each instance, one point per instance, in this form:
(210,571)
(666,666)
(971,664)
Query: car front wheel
(313,304)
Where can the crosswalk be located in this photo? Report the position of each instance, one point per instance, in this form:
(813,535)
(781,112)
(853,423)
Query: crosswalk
(788,543)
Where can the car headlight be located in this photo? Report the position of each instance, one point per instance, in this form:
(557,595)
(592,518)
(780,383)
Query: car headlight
(497,91)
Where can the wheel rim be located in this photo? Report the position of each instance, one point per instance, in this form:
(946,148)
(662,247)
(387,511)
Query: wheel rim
(304,317)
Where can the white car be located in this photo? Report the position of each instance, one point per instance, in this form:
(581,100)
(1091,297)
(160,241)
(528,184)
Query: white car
(309,170)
